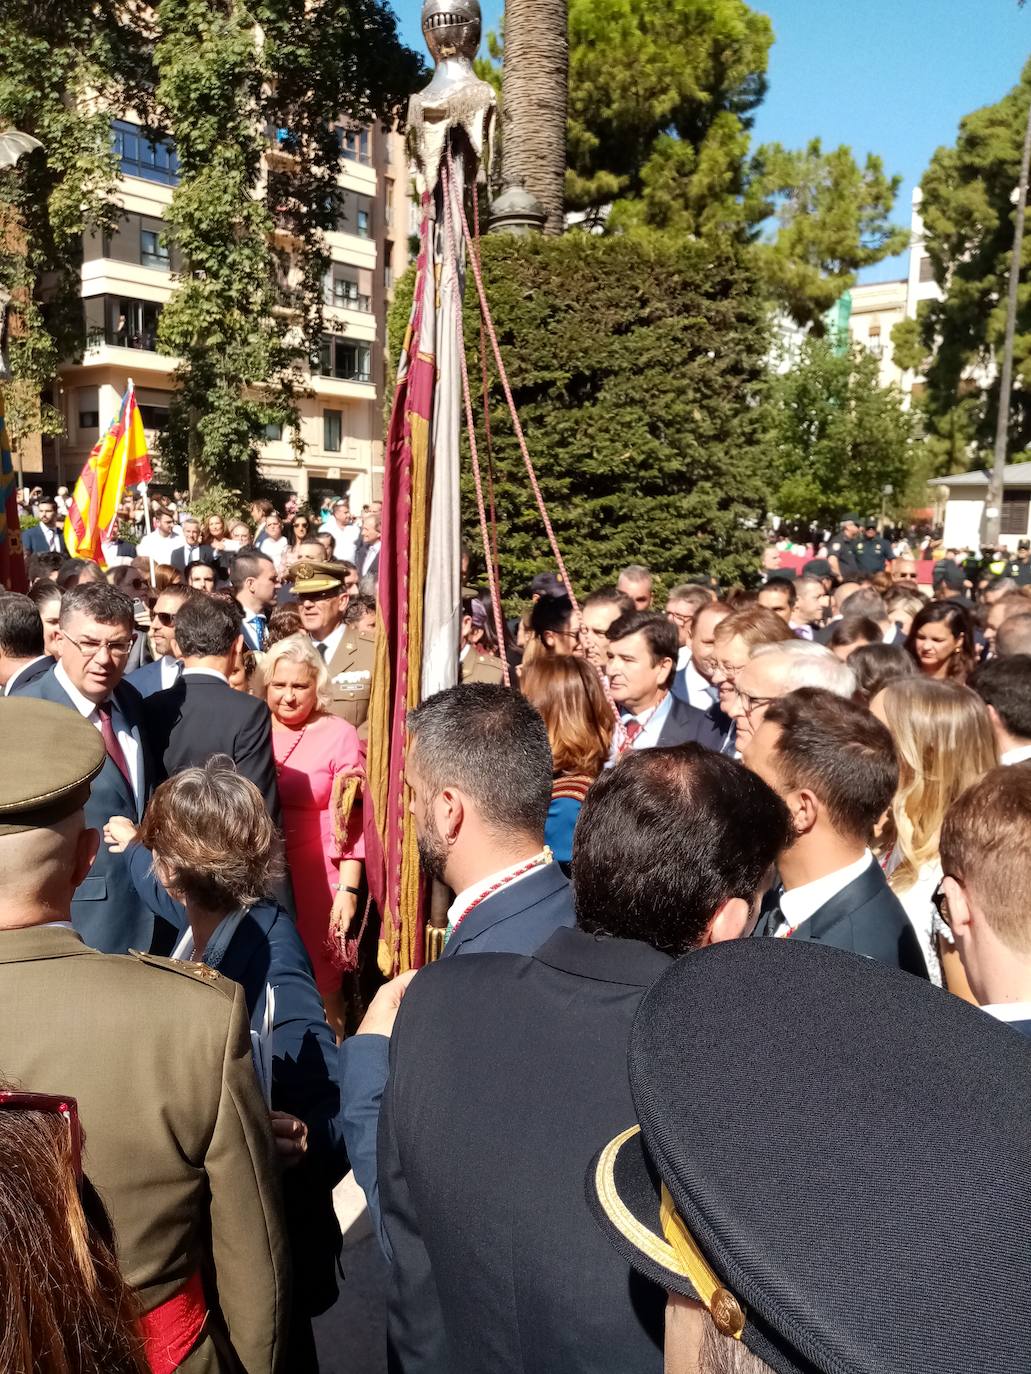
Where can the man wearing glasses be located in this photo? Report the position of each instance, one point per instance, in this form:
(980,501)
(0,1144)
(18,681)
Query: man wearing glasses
(95,639)
(167,667)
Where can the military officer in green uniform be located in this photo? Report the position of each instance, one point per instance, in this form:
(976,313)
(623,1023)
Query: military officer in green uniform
(349,653)
(841,552)
(475,663)
(873,554)
(158,1056)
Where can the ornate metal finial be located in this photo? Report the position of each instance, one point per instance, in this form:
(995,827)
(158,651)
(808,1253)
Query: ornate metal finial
(455,97)
(451,28)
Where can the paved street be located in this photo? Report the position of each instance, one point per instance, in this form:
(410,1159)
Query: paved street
(351,1336)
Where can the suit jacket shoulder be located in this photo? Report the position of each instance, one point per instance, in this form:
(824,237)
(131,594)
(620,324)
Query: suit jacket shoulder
(686,724)
(519,918)
(867,918)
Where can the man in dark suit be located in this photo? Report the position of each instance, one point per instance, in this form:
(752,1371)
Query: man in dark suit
(95,639)
(642,658)
(201,715)
(479,769)
(192,550)
(46,537)
(366,554)
(22,659)
(835,766)
(523,1060)
(982,900)
(167,667)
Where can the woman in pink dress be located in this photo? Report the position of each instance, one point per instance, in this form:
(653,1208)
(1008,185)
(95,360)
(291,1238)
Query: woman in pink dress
(318,760)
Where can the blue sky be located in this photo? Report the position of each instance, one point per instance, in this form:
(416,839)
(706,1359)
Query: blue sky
(891,77)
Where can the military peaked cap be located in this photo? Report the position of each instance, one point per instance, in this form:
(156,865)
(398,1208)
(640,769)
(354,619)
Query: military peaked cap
(50,757)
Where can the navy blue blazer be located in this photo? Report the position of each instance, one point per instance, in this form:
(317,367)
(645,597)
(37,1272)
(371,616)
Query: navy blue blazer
(516,920)
(205,554)
(147,680)
(685,724)
(521,1060)
(266,950)
(33,540)
(106,910)
(31,673)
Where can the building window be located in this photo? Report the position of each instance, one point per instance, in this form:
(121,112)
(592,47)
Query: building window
(348,361)
(355,145)
(1014,516)
(89,419)
(363,224)
(873,340)
(343,293)
(122,322)
(141,156)
(153,253)
(332,430)
(926,269)
(154,417)
(273,433)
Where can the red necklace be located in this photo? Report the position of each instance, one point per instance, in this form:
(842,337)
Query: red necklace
(538,861)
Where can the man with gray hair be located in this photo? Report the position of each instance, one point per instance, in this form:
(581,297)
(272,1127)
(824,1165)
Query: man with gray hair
(1013,636)
(192,550)
(635,581)
(868,603)
(774,670)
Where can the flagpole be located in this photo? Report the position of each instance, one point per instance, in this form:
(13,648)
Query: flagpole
(146,503)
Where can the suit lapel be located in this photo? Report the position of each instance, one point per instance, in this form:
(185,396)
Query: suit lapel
(511,900)
(856,894)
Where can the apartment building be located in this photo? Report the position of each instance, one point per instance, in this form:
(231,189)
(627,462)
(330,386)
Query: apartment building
(127,277)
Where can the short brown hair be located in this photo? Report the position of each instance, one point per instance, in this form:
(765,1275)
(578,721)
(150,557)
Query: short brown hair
(985,845)
(755,625)
(568,693)
(210,829)
(840,752)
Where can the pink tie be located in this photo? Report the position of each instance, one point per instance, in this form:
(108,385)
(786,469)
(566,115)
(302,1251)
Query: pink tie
(114,749)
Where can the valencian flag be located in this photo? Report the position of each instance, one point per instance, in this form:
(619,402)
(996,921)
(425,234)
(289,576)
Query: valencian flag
(118,460)
(12,561)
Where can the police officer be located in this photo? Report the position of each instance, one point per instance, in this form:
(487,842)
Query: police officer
(1019,568)
(349,653)
(836,1250)
(873,554)
(157,1055)
(841,554)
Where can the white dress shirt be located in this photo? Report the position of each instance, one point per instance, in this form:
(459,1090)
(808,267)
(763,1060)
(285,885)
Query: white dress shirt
(159,546)
(332,642)
(699,691)
(170,668)
(652,721)
(345,538)
(465,899)
(1009,1011)
(88,710)
(52,536)
(800,903)
(369,555)
(1019,755)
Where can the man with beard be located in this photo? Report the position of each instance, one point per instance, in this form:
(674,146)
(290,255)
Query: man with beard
(479,769)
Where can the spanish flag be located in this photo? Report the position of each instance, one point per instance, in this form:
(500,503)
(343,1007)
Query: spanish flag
(119,460)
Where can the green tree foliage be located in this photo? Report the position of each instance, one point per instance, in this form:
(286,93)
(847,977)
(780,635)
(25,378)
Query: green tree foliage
(56,59)
(215,74)
(968,215)
(832,219)
(636,370)
(835,437)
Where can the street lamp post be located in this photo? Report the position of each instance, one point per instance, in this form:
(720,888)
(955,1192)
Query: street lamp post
(993,508)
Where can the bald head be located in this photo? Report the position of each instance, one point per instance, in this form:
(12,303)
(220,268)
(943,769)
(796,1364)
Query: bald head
(41,868)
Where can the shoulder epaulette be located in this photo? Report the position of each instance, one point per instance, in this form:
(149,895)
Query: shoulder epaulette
(187,968)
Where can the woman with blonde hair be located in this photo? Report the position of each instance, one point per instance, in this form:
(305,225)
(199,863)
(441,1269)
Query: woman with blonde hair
(568,693)
(63,1303)
(945,743)
(318,764)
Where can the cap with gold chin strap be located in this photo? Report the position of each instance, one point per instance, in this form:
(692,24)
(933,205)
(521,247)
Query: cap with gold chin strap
(50,756)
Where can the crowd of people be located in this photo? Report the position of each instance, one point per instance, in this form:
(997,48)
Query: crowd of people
(737,1080)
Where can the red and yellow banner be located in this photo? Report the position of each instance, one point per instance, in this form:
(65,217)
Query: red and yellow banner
(118,460)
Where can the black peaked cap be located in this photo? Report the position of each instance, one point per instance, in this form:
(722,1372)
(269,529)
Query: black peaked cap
(848,1147)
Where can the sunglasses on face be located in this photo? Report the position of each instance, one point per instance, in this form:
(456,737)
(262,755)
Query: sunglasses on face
(940,902)
(165,618)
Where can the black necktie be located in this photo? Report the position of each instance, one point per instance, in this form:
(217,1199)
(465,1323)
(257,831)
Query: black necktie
(323,650)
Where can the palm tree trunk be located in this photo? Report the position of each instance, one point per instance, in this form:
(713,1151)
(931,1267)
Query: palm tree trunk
(535,83)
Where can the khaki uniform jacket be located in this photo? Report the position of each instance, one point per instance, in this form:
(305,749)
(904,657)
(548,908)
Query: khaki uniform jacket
(350,677)
(176,1135)
(482,668)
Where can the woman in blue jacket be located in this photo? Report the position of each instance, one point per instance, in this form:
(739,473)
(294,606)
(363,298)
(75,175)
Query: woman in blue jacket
(203,859)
